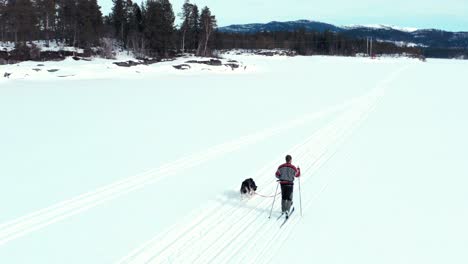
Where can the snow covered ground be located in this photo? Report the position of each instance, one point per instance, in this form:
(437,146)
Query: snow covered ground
(143,164)
(53,46)
(98,69)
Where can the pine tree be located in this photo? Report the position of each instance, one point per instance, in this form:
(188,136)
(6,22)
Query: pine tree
(193,34)
(46,10)
(67,21)
(89,20)
(208,25)
(22,19)
(300,42)
(135,27)
(3,19)
(120,17)
(159,27)
(185,15)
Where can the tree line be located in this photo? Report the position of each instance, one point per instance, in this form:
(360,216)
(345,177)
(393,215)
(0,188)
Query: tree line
(76,22)
(149,29)
(308,43)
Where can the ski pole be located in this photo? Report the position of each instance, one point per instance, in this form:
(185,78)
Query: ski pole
(300,199)
(274,199)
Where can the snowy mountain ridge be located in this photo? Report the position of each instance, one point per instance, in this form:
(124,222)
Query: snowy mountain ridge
(381,26)
(429,38)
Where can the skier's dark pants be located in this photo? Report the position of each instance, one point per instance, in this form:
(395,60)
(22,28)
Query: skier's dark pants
(287,191)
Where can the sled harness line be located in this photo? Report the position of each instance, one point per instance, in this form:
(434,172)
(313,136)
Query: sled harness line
(267,196)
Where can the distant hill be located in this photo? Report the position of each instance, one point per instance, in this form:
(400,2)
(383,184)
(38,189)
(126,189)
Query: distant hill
(281,26)
(427,38)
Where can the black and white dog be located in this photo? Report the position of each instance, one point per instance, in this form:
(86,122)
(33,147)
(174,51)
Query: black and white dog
(248,187)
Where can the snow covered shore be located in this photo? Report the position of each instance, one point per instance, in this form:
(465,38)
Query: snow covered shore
(97,68)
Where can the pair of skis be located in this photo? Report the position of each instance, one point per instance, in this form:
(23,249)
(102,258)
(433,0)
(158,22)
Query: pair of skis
(286,218)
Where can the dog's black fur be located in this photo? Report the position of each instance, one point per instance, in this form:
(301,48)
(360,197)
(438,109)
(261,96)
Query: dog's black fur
(248,187)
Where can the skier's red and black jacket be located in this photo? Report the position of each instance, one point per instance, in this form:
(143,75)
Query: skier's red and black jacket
(286,173)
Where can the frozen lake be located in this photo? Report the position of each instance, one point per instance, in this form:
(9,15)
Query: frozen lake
(143,165)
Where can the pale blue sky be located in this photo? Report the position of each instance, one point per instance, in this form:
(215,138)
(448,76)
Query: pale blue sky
(447,14)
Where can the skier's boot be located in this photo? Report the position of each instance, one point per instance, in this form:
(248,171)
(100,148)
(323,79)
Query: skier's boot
(283,206)
(288,208)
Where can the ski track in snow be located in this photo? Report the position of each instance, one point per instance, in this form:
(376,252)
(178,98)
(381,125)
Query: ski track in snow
(42,218)
(205,237)
(280,236)
(233,231)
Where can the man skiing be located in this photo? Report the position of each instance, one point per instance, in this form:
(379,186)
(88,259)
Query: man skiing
(286,174)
